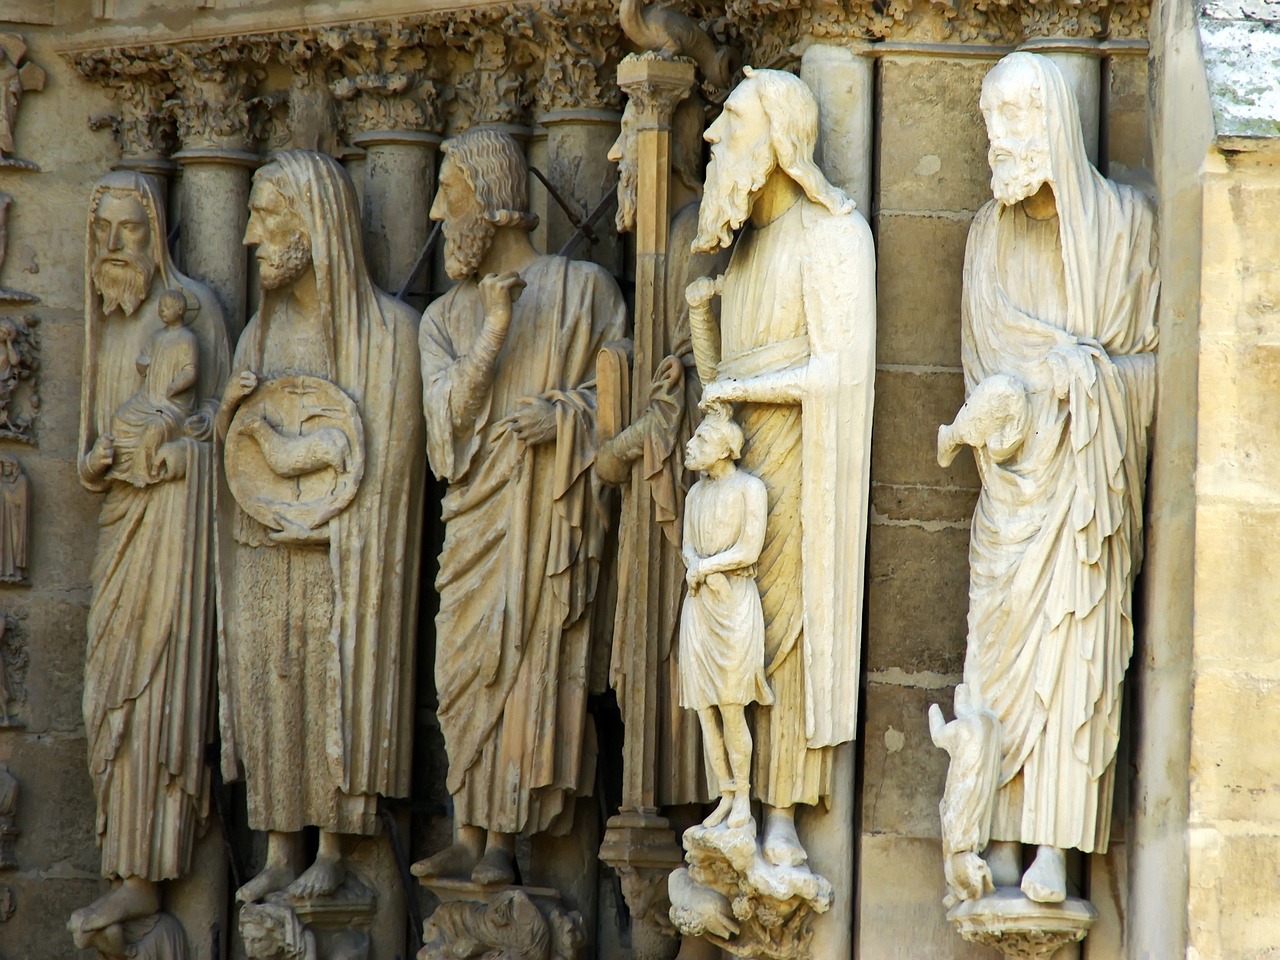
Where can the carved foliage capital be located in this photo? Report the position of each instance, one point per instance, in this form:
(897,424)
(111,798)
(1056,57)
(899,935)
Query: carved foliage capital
(214,84)
(494,49)
(655,86)
(581,44)
(140,84)
(385,75)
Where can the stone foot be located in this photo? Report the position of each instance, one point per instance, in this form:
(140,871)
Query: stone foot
(321,879)
(781,843)
(272,878)
(1004,857)
(133,899)
(455,861)
(1046,879)
(495,867)
(740,814)
(721,811)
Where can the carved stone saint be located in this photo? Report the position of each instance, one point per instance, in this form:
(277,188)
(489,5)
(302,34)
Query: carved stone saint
(15,512)
(508,362)
(150,651)
(722,623)
(17,76)
(1058,344)
(7,295)
(795,351)
(9,792)
(319,550)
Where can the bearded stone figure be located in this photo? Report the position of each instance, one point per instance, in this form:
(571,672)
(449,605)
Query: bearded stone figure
(508,368)
(658,436)
(794,351)
(319,551)
(151,630)
(1059,340)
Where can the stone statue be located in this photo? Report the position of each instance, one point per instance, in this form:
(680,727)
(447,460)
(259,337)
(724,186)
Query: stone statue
(657,436)
(509,926)
(9,792)
(1058,346)
(15,512)
(17,76)
(795,351)
(150,652)
(722,623)
(508,364)
(319,551)
(272,931)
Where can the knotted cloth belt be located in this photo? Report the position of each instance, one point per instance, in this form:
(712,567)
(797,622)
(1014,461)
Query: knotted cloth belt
(766,358)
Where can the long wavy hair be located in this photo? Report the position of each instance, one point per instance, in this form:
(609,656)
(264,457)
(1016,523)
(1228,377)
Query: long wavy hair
(494,166)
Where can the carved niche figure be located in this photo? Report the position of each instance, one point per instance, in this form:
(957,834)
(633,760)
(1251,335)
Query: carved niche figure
(17,76)
(6,295)
(658,435)
(510,400)
(722,623)
(15,511)
(19,398)
(13,672)
(151,613)
(319,555)
(9,790)
(1058,342)
(271,931)
(795,351)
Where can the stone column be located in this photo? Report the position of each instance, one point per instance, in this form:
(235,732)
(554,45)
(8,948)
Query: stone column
(639,843)
(842,79)
(214,84)
(399,184)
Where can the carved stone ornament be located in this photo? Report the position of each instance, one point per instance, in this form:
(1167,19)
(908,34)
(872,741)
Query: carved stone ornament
(154,364)
(383,78)
(8,903)
(9,790)
(15,520)
(323,458)
(7,295)
(331,927)
(513,923)
(18,75)
(1058,345)
(508,370)
(19,364)
(13,671)
(157,936)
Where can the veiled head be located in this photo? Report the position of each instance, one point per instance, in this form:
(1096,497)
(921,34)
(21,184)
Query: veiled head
(770,121)
(277,229)
(1013,105)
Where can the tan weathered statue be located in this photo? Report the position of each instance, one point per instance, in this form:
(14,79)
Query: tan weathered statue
(319,559)
(1058,343)
(657,436)
(18,75)
(508,368)
(722,623)
(150,652)
(795,351)
(15,515)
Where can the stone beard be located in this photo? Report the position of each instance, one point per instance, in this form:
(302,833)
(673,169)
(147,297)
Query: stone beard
(317,670)
(150,623)
(523,533)
(1062,304)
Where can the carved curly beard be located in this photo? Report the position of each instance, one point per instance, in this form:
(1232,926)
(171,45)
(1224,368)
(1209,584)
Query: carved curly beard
(627,186)
(466,241)
(726,201)
(283,264)
(1018,169)
(123,285)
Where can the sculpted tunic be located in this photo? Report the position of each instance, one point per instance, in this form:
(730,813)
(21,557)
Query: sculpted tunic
(523,538)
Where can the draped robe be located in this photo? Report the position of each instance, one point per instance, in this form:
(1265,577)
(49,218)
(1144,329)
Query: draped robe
(149,663)
(523,538)
(1068,306)
(317,641)
(798,318)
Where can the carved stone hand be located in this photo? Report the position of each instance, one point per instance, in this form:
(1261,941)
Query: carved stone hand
(534,422)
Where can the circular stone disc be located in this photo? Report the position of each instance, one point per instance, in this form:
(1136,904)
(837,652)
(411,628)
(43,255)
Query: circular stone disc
(295,454)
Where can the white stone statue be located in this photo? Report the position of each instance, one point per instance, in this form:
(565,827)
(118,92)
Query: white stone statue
(722,622)
(150,653)
(1058,346)
(508,367)
(318,560)
(795,351)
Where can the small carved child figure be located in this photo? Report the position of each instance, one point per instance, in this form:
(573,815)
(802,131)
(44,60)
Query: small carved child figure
(722,623)
(157,413)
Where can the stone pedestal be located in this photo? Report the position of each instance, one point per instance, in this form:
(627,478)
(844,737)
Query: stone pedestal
(642,848)
(213,208)
(1022,928)
(499,920)
(342,924)
(399,184)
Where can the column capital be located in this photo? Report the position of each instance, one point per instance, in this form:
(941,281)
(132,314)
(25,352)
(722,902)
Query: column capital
(655,86)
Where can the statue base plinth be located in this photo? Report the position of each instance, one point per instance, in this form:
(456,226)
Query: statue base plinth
(745,905)
(502,918)
(1022,928)
(333,927)
(641,848)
